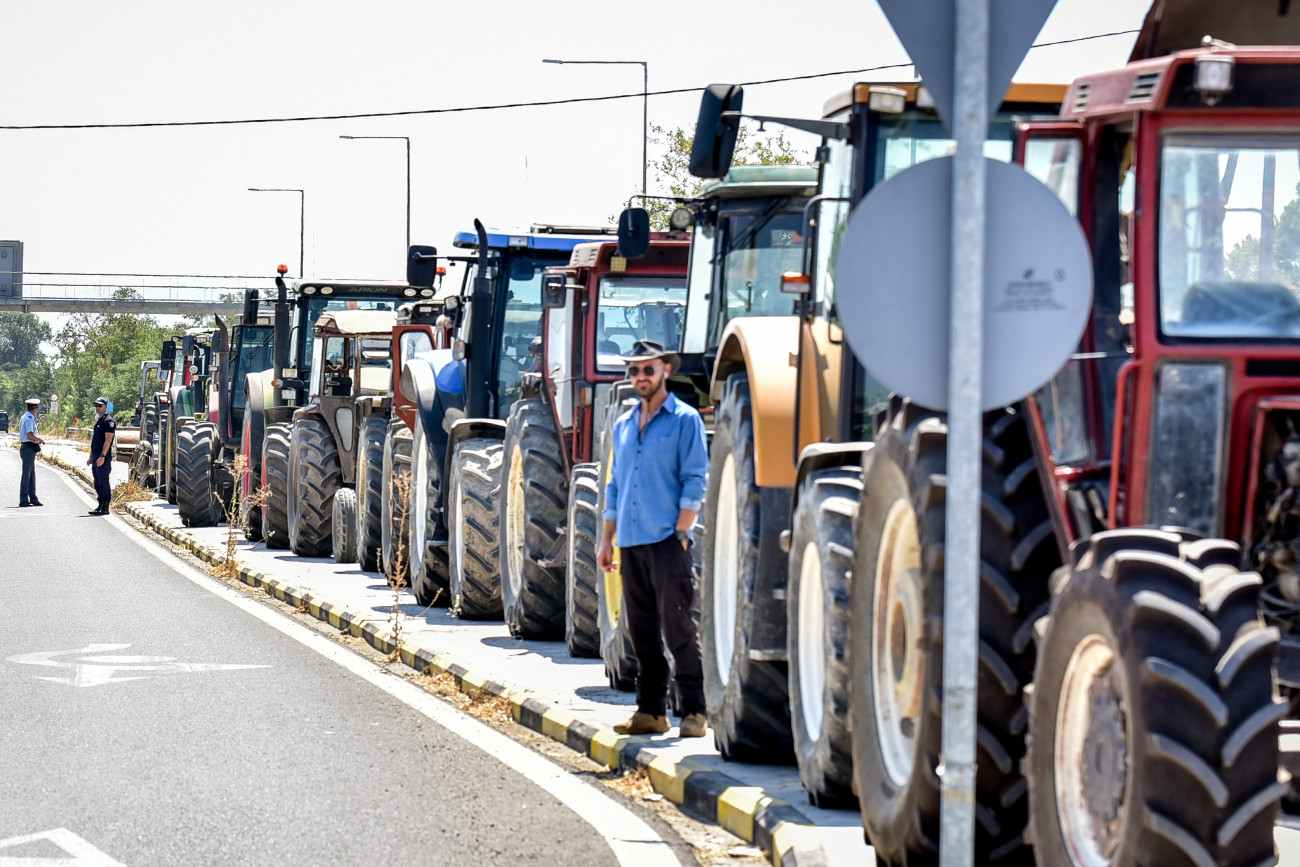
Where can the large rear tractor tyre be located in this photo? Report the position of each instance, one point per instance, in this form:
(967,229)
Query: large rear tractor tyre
(275,480)
(429,569)
(1153,724)
(343,517)
(166,452)
(395,505)
(896,650)
(149,428)
(250,485)
(821,559)
(533,499)
(196,492)
(472,513)
(581,575)
(748,699)
(315,475)
(370,491)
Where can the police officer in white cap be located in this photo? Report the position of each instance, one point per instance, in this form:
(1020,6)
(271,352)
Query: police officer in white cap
(29,445)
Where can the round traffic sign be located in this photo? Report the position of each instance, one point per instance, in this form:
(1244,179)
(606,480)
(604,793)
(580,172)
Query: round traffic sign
(893,276)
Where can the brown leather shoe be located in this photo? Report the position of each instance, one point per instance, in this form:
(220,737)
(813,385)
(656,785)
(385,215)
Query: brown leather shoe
(694,725)
(643,724)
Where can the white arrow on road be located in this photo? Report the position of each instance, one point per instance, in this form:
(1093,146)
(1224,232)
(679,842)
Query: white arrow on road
(78,852)
(107,668)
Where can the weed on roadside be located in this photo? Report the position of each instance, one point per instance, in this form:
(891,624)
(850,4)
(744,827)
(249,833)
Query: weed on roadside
(397,574)
(128,492)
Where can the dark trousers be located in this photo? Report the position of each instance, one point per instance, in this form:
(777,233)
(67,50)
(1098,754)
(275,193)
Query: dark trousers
(102,490)
(659,593)
(27,483)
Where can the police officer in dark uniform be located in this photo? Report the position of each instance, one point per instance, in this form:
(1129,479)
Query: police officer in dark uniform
(101,454)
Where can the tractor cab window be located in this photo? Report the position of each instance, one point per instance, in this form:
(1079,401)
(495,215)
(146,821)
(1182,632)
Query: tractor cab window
(832,216)
(376,361)
(313,308)
(521,322)
(255,352)
(913,137)
(700,283)
(1229,262)
(637,308)
(414,345)
(755,249)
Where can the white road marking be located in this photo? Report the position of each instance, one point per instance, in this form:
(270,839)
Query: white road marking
(102,669)
(81,853)
(633,842)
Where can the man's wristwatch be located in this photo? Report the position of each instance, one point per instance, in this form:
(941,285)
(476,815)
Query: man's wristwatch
(681,535)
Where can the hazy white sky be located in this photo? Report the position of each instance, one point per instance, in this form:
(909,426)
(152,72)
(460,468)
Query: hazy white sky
(176,200)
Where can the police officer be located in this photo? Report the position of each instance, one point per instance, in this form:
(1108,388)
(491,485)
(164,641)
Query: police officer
(29,444)
(101,454)
(656,487)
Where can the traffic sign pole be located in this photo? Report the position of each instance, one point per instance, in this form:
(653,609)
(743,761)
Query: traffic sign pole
(965,433)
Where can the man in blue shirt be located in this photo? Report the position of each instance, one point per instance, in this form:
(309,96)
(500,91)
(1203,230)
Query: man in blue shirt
(656,487)
(29,444)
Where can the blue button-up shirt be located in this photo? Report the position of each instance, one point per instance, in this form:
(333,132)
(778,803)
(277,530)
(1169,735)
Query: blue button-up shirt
(25,426)
(657,472)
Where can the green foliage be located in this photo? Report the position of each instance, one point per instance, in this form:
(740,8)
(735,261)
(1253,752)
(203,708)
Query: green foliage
(1244,259)
(672,169)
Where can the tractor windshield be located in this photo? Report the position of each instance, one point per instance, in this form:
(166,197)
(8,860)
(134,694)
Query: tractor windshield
(312,309)
(912,137)
(255,352)
(753,250)
(521,321)
(1230,237)
(637,308)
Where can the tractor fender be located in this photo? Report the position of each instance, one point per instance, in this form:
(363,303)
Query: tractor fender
(764,347)
(820,456)
(471,428)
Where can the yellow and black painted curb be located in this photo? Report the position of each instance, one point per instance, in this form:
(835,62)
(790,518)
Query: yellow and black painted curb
(747,811)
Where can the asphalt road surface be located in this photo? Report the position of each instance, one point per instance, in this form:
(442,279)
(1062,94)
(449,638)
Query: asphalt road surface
(149,715)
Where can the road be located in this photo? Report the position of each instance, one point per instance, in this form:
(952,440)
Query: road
(151,715)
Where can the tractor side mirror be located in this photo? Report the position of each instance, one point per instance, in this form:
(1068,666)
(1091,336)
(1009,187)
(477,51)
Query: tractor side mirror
(250,307)
(421,265)
(633,233)
(552,291)
(716,128)
(168,360)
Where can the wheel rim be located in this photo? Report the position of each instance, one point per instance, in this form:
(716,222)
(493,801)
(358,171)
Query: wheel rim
(457,533)
(898,657)
(812,631)
(515,522)
(420,494)
(725,570)
(292,494)
(1090,759)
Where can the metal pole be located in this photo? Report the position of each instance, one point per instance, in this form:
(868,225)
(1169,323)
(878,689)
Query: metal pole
(406,139)
(645,104)
(965,372)
(302,217)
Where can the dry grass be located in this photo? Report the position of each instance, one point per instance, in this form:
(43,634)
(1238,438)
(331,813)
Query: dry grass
(634,784)
(129,492)
(397,575)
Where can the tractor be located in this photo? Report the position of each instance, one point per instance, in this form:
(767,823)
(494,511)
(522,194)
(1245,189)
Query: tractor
(594,309)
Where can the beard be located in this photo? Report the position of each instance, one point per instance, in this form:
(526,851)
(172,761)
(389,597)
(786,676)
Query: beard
(647,388)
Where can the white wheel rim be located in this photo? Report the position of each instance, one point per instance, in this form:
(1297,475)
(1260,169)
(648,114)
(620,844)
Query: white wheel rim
(812,648)
(1089,762)
(898,658)
(515,522)
(420,494)
(457,531)
(725,570)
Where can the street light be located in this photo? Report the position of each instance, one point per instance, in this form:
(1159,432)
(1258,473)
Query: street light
(302,214)
(408,175)
(645,105)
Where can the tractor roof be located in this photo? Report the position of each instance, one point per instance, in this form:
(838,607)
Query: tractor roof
(353,322)
(539,237)
(1176,25)
(1021,94)
(762,180)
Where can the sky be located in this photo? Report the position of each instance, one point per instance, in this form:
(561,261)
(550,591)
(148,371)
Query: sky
(176,200)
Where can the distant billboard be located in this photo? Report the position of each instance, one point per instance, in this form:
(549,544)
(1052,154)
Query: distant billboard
(11,269)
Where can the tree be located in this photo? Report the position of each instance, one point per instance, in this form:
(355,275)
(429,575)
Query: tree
(672,169)
(21,336)
(1244,259)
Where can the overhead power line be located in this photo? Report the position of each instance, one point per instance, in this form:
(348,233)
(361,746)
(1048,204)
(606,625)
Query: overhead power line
(497,106)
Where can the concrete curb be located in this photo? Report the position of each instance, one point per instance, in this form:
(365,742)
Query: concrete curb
(747,811)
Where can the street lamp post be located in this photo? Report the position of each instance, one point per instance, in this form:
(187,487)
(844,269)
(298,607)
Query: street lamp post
(408,175)
(302,214)
(645,105)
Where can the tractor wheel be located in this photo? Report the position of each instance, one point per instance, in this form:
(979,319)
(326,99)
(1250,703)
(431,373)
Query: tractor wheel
(140,464)
(275,483)
(395,505)
(1153,726)
(429,570)
(250,485)
(896,651)
(150,477)
(343,520)
(748,699)
(581,617)
(166,453)
(818,626)
(621,666)
(370,493)
(314,476)
(196,494)
(472,512)
(533,498)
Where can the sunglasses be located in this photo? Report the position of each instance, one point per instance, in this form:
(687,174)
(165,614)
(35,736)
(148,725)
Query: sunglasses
(648,370)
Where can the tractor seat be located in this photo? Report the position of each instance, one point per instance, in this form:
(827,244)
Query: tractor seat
(607,347)
(1263,305)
